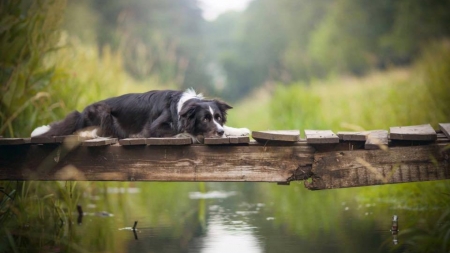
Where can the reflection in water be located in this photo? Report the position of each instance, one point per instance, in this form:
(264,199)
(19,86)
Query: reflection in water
(227,233)
(192,217)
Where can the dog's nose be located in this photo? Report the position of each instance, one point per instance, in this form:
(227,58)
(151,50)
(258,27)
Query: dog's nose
(220,132)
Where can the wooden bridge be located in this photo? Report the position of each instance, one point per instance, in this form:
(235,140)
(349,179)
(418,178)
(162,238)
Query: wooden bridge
(324,160)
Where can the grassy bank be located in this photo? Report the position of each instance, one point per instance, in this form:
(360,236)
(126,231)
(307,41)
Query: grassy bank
(416,95)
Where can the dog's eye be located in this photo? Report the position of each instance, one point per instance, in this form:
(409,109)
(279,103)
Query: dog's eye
(218,118)
(206,119)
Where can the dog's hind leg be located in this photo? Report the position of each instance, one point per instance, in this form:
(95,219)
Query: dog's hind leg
(67,126)
(101,122)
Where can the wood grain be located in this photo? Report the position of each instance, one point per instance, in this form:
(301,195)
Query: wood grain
(239,140)
(99,142)
(216,141)
(371,167)
(377,139)
(445,128)
(132,141)
(168,141)
(353,136)
(321,137)
(413,133)
(276,135)
(42,140)
(14,141)
(253,162)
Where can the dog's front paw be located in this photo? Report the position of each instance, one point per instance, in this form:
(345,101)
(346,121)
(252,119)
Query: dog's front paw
(231,131)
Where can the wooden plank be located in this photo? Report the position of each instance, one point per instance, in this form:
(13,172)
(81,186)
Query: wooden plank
(99,142)
(278,135)
(227,140)
(221,163)
(441,138)
(42,140)
(133,141)
(168,141)
(353,136)
(445,128)
(371,167)
(14,141)
(377,139)
(413,133)
(239,140)
(321,137)
(216,141)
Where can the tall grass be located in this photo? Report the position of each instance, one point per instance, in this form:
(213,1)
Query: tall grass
(398,97)
(416,95)
(46,73)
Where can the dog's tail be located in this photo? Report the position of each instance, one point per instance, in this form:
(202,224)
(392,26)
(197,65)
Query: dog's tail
(72,123)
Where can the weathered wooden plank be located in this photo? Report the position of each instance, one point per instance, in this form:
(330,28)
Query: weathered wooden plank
(377,139)
(14,141)
(321,137)
(353,136)
(168,141)
(371,167)
(216,141)
(253,162)
(278,135)
(70,138)
(413,133)
(239,140)
(42,140)
(227,140)
(99,142)
(445,128)
(132,141)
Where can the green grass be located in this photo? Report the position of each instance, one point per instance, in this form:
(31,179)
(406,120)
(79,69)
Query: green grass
(416,95)
(419,94)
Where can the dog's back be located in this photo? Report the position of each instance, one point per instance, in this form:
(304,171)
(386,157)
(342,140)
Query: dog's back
(151,114)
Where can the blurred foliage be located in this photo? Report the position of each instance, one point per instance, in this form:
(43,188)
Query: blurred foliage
(378,101)
(298,41)
(43,217)
(46,73)
(271,41)
(156,37)
(27,34)
(305,52)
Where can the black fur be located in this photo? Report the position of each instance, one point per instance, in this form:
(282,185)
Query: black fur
(150,114)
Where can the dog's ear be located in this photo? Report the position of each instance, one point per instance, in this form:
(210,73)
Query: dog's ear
(187,118)
(188,111)
(222,105)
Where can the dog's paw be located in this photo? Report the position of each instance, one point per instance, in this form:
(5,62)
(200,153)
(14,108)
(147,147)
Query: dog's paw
(89,134)
(231,131)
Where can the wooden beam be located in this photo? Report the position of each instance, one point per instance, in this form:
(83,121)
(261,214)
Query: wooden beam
(372,167)
(276,162)
(224,163)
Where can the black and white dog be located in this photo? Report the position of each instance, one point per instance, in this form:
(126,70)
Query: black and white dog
(165,113)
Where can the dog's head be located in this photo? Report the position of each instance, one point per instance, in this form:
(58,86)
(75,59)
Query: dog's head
(204,117)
